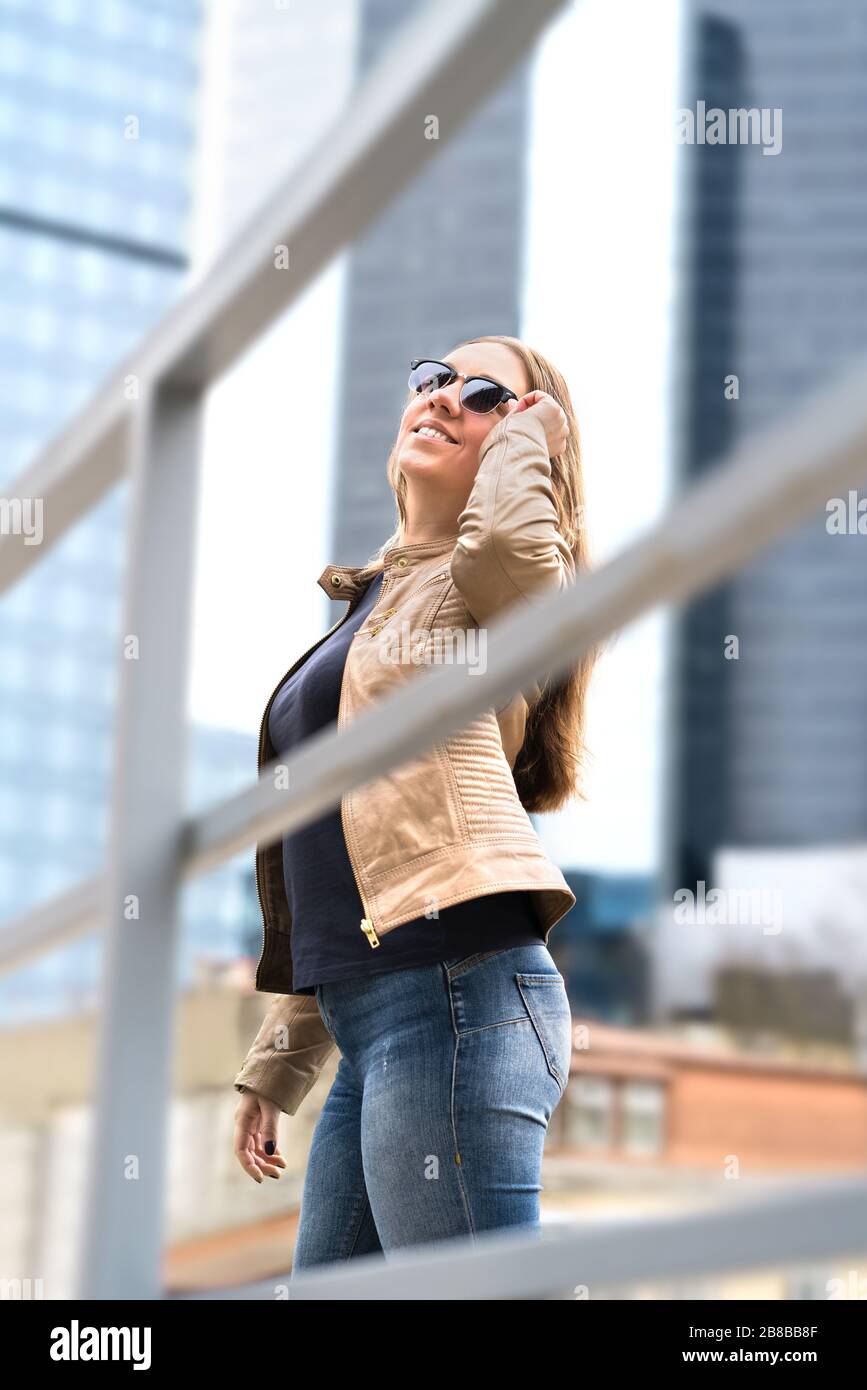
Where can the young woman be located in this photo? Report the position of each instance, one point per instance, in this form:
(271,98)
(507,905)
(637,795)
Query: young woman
(418,913)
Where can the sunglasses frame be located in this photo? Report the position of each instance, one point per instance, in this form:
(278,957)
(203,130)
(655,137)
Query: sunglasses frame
(506,394)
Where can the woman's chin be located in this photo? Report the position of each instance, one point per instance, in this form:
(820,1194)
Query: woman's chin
(418,459)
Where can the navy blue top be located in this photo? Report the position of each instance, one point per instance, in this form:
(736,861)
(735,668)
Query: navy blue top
(327,941)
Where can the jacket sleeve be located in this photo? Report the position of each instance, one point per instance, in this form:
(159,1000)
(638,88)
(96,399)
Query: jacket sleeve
(509,544)
(288,1053)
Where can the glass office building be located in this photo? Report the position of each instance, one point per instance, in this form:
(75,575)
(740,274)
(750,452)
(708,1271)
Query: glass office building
(769,745)
(97,148)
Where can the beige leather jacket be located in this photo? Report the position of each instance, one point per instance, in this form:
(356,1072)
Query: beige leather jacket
(449,825)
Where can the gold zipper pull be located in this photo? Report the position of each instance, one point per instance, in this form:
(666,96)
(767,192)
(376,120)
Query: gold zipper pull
(367,928)
(379,621)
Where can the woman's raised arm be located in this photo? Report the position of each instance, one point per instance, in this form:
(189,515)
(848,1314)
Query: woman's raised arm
(510,545)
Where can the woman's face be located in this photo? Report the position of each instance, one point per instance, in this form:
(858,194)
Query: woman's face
(453,463)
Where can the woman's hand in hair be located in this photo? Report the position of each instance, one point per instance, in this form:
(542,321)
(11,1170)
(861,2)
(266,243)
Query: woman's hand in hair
(256,1119)
(552,415)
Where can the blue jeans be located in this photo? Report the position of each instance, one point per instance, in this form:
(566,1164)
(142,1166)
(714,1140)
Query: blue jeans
(436,1120)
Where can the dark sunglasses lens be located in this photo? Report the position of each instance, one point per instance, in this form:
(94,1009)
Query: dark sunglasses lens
(428,375)
(480,396)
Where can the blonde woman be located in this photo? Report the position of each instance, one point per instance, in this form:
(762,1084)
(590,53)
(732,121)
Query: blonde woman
(409,928)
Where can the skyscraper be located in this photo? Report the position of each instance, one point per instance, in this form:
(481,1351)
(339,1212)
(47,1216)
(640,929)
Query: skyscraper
(97,137)
(770,744)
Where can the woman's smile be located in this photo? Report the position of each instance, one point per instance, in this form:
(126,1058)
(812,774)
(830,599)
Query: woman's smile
(427,431)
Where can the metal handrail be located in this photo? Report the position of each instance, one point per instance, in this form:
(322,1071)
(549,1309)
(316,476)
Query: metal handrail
(804,1221)
(448,57)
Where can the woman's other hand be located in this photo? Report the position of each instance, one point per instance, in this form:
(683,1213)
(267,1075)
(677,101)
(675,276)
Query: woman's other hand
(552,415)
(256,1120)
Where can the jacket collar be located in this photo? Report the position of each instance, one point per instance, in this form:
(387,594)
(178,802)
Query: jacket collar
(344,581)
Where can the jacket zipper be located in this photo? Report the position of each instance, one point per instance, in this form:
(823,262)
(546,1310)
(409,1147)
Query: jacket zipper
(379,621)
(292,669)
(367,921)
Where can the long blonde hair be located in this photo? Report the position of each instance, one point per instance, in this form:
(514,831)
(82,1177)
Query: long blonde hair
(549,768)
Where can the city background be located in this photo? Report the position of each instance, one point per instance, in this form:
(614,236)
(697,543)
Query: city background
(136,140)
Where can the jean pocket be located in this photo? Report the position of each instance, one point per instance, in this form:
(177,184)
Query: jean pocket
(547,1005)
(457,965)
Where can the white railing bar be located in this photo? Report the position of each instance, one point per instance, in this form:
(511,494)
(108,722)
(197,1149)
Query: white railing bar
(805,1221)
(51,925)
(135,1020)
(444,60)
(770,482)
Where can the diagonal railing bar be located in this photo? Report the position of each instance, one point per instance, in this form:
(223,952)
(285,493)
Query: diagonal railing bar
(804,1221)
(53,924)
(444,60)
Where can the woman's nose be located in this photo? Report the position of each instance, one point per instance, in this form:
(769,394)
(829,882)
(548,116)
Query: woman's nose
(448,396)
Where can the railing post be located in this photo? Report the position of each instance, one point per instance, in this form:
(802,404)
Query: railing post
(123,1237)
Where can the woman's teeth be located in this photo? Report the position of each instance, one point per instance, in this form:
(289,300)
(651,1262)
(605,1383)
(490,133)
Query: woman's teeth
(434,434)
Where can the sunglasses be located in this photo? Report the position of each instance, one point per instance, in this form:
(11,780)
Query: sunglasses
(479,394)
